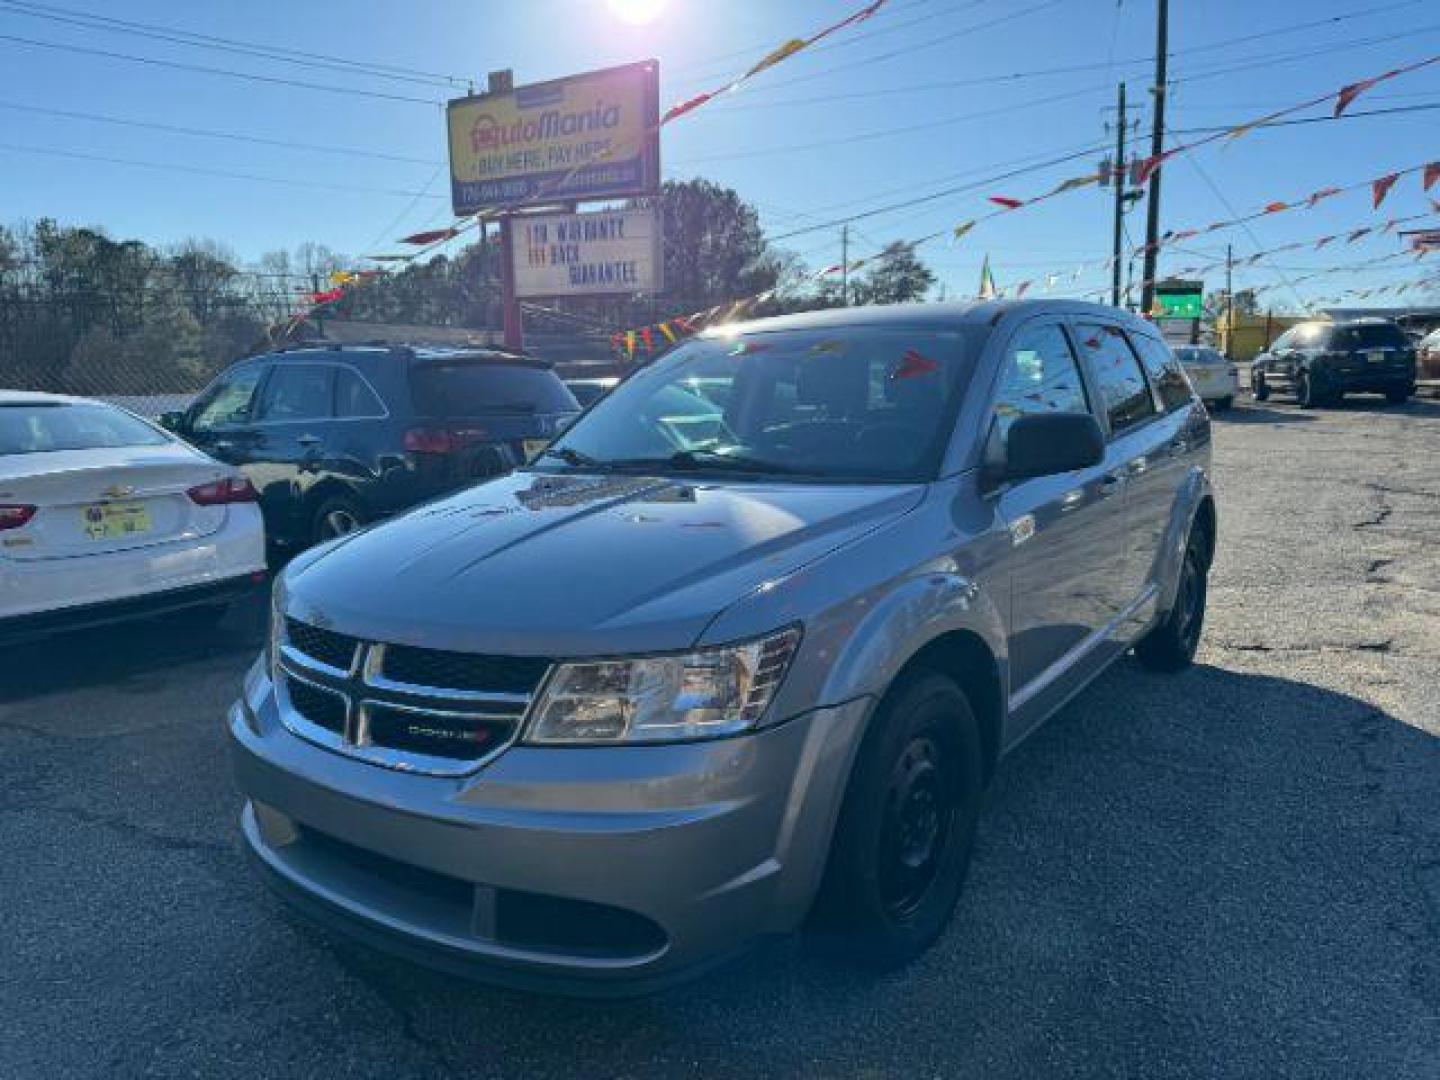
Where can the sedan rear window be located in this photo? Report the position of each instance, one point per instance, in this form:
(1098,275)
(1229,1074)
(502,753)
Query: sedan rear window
(41,428)
(475,387)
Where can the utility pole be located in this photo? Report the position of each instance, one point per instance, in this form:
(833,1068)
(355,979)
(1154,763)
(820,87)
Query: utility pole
(1117,176)
(1157,146)
(1229,297)
(844,265)
(319,319)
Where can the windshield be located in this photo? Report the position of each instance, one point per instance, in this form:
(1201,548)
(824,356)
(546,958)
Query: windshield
(474,387)
(40,428)
(852,403)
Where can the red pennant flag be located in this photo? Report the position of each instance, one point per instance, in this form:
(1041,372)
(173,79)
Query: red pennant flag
(329,296)
(1323,193)
(676,111)
(684,324)
(1276,207)
(1007,202)
(646,337)
(615,340)
(1432,173)
(1146,168)
(913,364)
(1381,187)
(1357,234)
(1350,93)
(431,237)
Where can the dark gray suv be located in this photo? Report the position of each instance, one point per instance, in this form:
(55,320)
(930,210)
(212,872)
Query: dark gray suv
(739,653)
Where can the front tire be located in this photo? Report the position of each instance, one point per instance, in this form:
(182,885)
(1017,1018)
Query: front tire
(1170,645)
(903,840)
(1305,394)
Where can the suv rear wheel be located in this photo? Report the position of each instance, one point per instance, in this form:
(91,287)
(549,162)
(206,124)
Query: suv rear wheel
(1171,644)
(907,826)
(335,516)
(1398,395)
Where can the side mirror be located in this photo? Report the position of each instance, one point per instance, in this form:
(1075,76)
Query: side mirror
(173,421)
(1043,444)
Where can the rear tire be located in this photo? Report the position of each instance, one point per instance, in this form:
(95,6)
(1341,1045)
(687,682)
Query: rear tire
(903,840)
(1398,396)
(336,516)
(1170,645)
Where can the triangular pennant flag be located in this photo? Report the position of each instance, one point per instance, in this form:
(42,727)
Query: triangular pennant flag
(1431,174)
(1276,207)
(433,236)
(1350,93)
(645,336)
(1381,187)
(342,277)
(677,111)
(987,281)
(1357,234)
(1076,182)
(1020,289)
(630,342)
(962,229)
(1146,168)
(1007,202)
(1323,193)
(790,48)
(1323,241)
(669,334)
(1241,129)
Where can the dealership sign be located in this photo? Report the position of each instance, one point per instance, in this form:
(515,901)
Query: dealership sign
(594,254)
(591,136)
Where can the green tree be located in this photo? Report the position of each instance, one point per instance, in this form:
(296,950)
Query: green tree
(898,276)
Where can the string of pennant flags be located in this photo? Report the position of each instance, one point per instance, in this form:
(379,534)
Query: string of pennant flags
(428,240)
(668,331)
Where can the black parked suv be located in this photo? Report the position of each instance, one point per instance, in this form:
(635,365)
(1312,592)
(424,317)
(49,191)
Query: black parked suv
(335,437)
(1320,362)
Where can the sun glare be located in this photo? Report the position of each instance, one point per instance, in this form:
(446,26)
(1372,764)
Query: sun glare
(637,12)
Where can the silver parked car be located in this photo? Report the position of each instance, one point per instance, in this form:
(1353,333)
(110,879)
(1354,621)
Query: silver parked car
(676,684)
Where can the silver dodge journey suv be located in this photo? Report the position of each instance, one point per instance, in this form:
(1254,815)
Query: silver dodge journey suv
(738,653)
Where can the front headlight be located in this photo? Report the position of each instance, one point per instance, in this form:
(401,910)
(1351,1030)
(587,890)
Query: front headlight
(697,695)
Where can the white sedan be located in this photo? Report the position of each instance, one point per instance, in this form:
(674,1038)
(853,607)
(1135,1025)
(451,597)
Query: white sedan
(1213,376)
(106,516)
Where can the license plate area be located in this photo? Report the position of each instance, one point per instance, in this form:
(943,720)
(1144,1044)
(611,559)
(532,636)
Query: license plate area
(115,520)
(1377,356)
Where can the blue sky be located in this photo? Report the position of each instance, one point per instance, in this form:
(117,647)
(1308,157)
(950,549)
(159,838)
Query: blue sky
(836,131)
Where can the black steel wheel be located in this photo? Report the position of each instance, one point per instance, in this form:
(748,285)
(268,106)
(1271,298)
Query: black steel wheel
(1171,644)
(902,843)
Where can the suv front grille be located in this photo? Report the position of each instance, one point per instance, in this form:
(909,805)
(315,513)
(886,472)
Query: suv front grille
(464,671)
(336,650)
(421,710)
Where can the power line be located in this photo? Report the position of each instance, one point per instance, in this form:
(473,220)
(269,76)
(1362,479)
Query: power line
(212,133)
(166,167)
(70,16)
(274,80)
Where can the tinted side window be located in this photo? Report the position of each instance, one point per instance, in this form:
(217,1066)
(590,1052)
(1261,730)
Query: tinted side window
(1040,375)
(475,387)
(228,401)
(353,397)
(1123,390)
(297,392)
(1165,371)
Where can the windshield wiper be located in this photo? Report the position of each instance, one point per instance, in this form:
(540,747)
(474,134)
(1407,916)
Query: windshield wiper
(705,459)
(571,456)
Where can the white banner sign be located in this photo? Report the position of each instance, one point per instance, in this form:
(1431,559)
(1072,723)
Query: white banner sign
(596,253)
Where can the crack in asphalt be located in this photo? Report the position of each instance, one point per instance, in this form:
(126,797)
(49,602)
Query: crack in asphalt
(117,823)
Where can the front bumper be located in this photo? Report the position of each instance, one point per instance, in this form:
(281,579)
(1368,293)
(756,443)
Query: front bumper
(594,871)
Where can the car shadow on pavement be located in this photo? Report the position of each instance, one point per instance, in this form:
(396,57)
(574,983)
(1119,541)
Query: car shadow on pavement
(1219,872)
(1250,413)
(122,653)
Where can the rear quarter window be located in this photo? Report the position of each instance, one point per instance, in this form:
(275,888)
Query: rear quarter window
(1378,336)
(471,387)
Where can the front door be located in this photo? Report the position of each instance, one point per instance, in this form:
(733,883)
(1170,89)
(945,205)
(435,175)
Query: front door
(220,422)
(294,417)
(1067,531)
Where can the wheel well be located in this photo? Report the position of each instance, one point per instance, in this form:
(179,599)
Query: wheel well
(1205,522)
(964,657)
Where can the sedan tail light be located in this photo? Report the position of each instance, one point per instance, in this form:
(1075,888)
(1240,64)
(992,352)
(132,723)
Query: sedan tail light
(439,440)
(232,489)
(12,517)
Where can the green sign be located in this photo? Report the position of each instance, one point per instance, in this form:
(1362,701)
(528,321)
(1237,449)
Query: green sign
(1182,300)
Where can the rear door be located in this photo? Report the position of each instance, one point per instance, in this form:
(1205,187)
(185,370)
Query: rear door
(1067,531)
(1138,450)
(293,419)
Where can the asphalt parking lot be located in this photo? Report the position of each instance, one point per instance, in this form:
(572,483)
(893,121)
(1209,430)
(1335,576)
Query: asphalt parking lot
(1231,872)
